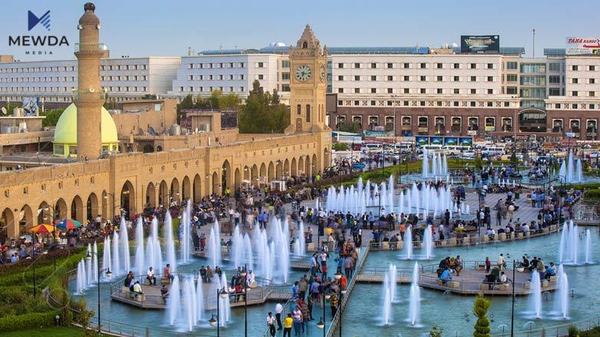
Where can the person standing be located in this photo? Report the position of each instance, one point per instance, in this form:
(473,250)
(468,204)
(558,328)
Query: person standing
(271,324)
(297,316)
(278,311)
(287,326)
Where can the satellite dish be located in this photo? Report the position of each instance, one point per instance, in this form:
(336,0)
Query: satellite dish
(454,45)
(4,112)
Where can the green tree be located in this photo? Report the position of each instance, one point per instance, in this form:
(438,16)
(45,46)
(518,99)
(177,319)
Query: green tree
(262,112)
(480,309)
(52,117)
(348,126)
(435,331)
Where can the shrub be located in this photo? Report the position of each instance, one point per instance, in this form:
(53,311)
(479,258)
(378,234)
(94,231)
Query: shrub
(480,309)
(592,194)
(573,331)
(27,321)
(340,147)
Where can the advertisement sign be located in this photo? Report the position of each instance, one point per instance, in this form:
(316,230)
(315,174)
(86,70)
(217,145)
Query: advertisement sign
(583,46)
(480,44)
(433,140)
(421,140)
(466,141)
(451,141)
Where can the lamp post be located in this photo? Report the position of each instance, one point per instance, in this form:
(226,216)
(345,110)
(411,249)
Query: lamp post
(512,310)
(217,322)
(321,323)
(108,274)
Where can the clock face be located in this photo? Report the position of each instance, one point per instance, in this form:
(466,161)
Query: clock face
(322,73)
(303,72)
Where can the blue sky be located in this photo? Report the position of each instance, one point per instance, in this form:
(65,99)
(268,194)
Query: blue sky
(168,27)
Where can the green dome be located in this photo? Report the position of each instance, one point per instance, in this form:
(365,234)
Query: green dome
(66,130)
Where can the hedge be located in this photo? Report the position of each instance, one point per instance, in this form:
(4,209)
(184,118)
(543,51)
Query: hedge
(592,194)
(26,321)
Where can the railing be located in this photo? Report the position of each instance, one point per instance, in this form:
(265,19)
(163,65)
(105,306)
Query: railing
(109,327)
(559,330)
(83,47)
(344,300)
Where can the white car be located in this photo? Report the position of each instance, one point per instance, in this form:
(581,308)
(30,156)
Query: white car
(468,155)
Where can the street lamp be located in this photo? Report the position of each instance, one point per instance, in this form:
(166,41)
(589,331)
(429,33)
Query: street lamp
(88,257)
(217,322)
(321,323)
(244,274)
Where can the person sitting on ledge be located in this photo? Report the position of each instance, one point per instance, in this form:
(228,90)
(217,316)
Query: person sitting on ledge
(550,271)
(503,278)
(167,273)
(492,277)
(137,288)
(525,262)
(150,276)
(164,292)
(445,276)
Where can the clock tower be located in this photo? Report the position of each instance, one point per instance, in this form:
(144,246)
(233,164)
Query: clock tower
(308,84)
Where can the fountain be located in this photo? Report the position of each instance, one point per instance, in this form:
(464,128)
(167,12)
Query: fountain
(571,171)
(224,305)
(153,252)
(301,240)
(414,306)
(535,295)
(392,272)
(428,243)
(95,263)
(88,267)
(263,253)
(199,300)
(387,301)
(562,294)
(436,166)
(408,244)
(569,244)
(186,236)
(106,256)
(81,278)
(140,258)
(125,257)
(173,301)
(189,305)
(169,241)
(116,259)
(214,245)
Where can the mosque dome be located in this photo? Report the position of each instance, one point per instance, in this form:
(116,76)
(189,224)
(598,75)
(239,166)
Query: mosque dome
(65,134)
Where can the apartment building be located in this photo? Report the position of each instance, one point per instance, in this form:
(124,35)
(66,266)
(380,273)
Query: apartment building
(52,82)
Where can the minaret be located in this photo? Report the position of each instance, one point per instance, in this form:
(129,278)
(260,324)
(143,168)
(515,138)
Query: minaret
(89,97)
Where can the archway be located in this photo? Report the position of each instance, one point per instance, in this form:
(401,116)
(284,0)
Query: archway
(278,169)
(25,219)
(286,168)
(175,196)
(92,207)
(60,209)
(7,225)
(197,188)
(163,194)
(237,179)
(271,172)
(186,189)
(532,120)
(127,200)
(301,167)
(246,173)
(215,183)
(326,157)
(263,172)
(254,175)
(294,168)
(44,214)
(148,148)
(77,209)
(151,195)
(226,178)
(315,166)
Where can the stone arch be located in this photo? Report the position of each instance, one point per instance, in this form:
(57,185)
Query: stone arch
(127,199)
(226,176)
(286,168)
(263,171)
(294,168)
(44,214)
(197,188)
(254,175)
(186,190)
(60,209)
(301,168)
(278,169)
(150,195)
(7,225)
(77,209)
(271,172)
(307,167)
(163,193)
(237,179)
(175,195)
(91,207)
(246,175)
(315,167)
(215,183)
(25,219)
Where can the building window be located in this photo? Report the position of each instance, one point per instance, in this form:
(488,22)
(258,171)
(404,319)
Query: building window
(456,91)
(340,90)
(373,65)
(298,109)
(473,104)
(373,103)
(439,91)
(511,77)
(456,78)
(439,66)
(423,78)
(490,91)
(357,65)
(407,78)
(455,103)
(340,78)
(261,65)
(261,76)
(373,78)
(511,65)
(456,66)
(554,79)
(423,90)
(340,66)
(511,90)
(473,91)
(490,66)
(554,92)
(423,65)
(390,78)
(405,103)
(406,65)
(422,103)
(592,94)
(575,68)
(357,78)
(373,90)
(390,91)
(592,81)
(575,81)
(406,91)
(390,65)
(490,78)
(473,66)
(308,113)
(440,78)
(554,67)
(473,78)
(574,93)
(357,90)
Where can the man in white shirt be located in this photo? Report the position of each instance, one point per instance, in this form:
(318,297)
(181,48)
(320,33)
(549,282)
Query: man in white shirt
(150,276)
(278,311)
(271,324)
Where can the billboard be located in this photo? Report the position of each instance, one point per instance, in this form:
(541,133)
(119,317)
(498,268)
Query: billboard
(422,140)
(480,44)
(583,46)
(451,141)
(466,141)
(436,140)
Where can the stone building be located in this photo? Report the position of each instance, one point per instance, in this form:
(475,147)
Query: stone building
(127,182)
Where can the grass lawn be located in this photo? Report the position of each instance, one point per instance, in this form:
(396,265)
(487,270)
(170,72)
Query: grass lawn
(54,332)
